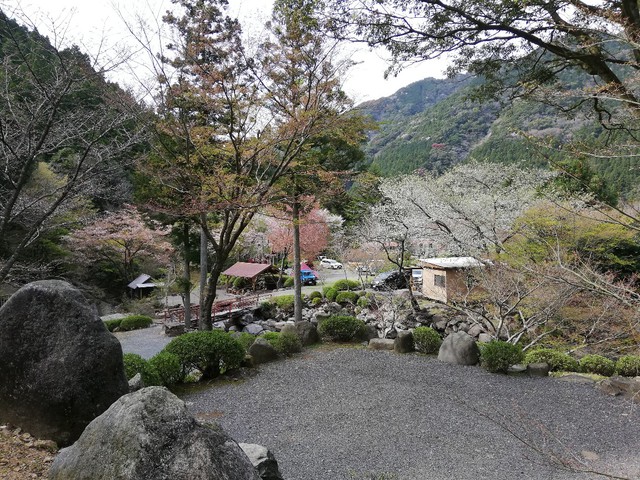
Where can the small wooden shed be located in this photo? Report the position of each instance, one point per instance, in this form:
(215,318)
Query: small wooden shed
(248,270)
(443,278)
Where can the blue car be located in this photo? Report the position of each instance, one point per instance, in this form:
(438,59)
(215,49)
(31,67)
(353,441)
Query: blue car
(308,277)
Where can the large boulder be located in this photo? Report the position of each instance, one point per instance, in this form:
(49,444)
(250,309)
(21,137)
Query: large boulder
(150,435)
(404,342)
(307,332)
(61,366)
(262,351)
(460,349)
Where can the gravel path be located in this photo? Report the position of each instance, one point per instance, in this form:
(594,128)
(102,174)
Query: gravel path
(345,413)
(146,342)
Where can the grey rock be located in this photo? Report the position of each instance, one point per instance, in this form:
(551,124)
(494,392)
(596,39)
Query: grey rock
(220,326)
(517,370)
(333,308)
(262,351)
(577,378)
(459,349)
(150,435)
(390,332)
(475,330)
(263,461)
(61,366)
(308,333)
(253,329)
(439,322)
(246,319)
(371,332)
(136,383)
(485,338)
(624,386)
(538,369)
(280,325)
(404,342)
(381,344)
(463,327)
(173,329)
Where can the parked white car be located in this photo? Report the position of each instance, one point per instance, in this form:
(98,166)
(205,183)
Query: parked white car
(329,263)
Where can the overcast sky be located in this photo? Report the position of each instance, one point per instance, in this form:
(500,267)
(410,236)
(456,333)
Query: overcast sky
(96,26)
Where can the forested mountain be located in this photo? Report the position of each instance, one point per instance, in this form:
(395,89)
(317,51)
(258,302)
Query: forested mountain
(436,123)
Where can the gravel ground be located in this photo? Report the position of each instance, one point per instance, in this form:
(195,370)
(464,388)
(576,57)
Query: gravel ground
(348,413)
(146,342)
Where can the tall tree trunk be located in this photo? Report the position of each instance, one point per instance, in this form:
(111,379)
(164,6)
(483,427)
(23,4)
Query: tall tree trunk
(297,281)
(205,314)
(204,244)
(186,293)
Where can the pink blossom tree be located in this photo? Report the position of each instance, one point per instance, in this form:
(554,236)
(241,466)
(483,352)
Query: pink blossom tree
(314,233)
(121,240)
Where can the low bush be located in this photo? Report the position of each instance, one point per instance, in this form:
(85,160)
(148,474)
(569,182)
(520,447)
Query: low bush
(239,283)
(347,297)
(112,324)
(245,339)
(210,352)
(316,301)
(285,343)
(497,356)
(331,294)
(557,361)
(134,322)
(134,364)
(342,328)
(628,366)
(346,285)
(597,364)
(315,294)
(363,302)
(284,302)
(288,282)
(426,340)
(167,367)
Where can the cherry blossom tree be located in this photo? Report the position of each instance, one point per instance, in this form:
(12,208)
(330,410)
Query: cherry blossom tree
(120,240)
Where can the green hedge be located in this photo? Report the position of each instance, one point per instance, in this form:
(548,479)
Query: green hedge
(315,294)
(628,366)
(316,301)
(597,364)
(245,339)
(331,294)
(426,340)
(557,361)
(134,364)
(210,352)
(347,297)
(112,324)
(284,302)
(288,282)
(167,367)
(363,302)
(497,356)
(285,343)
(346,285)
(134,322)
(342,328)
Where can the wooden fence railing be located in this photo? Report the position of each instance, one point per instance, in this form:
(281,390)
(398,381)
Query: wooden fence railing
(221,307)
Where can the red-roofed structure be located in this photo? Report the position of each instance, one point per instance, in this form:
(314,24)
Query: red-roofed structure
(247,270)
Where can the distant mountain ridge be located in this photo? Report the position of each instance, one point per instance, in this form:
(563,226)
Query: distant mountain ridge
(432,124)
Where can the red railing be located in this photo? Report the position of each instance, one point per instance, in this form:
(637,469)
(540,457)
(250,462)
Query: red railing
(221,307)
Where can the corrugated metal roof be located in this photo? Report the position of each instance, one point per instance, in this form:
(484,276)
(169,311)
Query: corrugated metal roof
(141,280)
(246,270)
(452,262)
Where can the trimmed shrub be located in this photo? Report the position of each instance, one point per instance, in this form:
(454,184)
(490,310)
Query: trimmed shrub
(167,367)
(245,339)
(347,297)
(134,322)
(557,361)
(597,364)
(210,352)
(112,324)
(285,343)
(239,283)
(331,294)
(363,302)
(134,363)
(342,328)
(284,302)
(325,289)
(315,294)
(497,356)
(316,301)
(288,282)
(426,340)
(346,285)
(628,366)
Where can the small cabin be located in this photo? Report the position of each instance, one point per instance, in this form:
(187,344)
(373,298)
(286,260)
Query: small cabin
(444,278)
